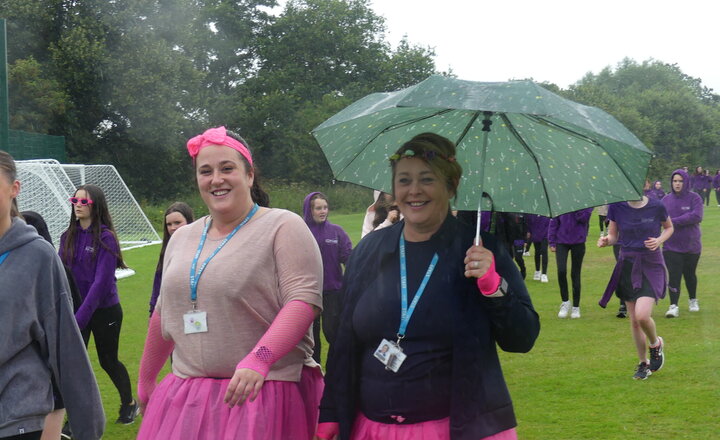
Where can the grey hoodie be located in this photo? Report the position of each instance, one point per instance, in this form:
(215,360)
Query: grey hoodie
(40,338)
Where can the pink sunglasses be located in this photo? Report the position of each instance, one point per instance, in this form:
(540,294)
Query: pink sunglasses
(80,202)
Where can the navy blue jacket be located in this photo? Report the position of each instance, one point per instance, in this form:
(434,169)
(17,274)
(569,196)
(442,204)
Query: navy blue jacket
(480,401)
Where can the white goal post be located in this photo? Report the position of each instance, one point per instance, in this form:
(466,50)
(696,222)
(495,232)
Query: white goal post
(46,185)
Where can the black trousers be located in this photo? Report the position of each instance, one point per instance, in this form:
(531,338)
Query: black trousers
(577,254)
(27,436)
(541,256)
(105,326)
(681,265)
(717,195)
(329,321)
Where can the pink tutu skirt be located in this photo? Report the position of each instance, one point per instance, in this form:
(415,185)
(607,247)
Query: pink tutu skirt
(193,409)
(366,429)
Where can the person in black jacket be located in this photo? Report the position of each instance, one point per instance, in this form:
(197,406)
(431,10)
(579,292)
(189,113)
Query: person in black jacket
(434,367)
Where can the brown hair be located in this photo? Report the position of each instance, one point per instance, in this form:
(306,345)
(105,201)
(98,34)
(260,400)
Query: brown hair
(438,152)
(100,215)
(8,168)
(186,211)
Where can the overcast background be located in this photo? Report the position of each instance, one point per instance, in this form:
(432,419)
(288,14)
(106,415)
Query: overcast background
(558,41)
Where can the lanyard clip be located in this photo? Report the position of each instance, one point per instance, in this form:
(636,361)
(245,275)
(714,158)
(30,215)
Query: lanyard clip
(399,338)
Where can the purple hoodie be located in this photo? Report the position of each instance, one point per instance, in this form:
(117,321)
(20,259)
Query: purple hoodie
(570,228)
(537,227)
(686,212)
(94,271)
(716,181)
(335,246)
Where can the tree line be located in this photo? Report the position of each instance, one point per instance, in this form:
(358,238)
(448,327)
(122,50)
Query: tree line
(127,82)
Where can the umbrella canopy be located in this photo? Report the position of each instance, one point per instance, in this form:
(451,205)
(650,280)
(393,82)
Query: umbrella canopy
(529,149)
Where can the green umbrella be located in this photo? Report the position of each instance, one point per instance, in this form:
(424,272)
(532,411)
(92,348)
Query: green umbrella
(529,149)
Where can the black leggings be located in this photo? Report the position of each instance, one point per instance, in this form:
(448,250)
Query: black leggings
(717,195)
(577,253)
(27,436)
(329,321)
(681,265)
(541,255)
(603,222)
(105,326)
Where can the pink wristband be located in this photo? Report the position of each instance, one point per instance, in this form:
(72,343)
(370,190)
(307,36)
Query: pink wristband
(327,430)
(490,282)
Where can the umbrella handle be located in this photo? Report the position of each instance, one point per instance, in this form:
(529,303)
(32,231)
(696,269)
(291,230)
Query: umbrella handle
(478,240)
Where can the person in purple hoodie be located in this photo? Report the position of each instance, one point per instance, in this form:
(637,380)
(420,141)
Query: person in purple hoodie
(566,235)
(90,248)
(706,187)
(178,214)
(335,247)
(682,250)
(716,186)
(639,275)
(537,233)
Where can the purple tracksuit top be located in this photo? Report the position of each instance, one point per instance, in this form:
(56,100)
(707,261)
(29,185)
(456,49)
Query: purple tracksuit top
(570,228)
(686,212)
(93,267)
(335,246)
(537,227)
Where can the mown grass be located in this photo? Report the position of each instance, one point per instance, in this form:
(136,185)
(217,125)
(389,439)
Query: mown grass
(577,381)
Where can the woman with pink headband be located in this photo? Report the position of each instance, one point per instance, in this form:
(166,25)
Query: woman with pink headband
(240,290)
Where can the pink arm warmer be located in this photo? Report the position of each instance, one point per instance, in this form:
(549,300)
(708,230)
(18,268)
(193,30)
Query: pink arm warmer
(285,332)
(157,350)
(489,283)
(327,430)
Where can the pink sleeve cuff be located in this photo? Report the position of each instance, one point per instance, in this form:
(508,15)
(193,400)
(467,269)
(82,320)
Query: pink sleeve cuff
(327,430)
(490,282)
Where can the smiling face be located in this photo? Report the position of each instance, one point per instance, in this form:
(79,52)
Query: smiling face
(677,183)
(173,221)
(422,196)
(223,181)
(319,210)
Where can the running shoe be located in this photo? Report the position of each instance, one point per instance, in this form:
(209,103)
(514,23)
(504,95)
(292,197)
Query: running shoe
(694,306)
(564,309)
(543,278)
(657,358)
(526,254)
(642,372)
(575,313)
(66,434)
(673,311)
(128,413)
(622,311)
(536,277)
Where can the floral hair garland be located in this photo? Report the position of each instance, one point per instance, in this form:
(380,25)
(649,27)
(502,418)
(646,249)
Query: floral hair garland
(427,155)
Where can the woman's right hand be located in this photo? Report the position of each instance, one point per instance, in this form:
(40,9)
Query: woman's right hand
(393,215)
(603,241)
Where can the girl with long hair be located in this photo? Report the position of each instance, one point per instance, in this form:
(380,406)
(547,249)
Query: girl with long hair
(91,249)
(178,214)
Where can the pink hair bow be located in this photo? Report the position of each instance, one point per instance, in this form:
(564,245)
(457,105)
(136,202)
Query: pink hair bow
(217,136)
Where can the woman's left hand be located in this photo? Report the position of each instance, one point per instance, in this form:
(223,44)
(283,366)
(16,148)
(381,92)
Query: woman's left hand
(245,383)
(652,243)
(477,261)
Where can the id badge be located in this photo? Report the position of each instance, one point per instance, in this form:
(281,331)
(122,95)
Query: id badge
(195,322)
(390,354)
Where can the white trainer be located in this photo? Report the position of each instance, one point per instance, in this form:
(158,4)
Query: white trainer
(564,309)
(526,254)
(575,313)
(673,311)
(694,306)
(543,278)
(536,277)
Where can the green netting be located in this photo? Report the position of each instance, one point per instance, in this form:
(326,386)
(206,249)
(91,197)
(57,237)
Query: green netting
(25,145)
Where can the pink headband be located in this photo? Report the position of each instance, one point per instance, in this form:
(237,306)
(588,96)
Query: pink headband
(217,136)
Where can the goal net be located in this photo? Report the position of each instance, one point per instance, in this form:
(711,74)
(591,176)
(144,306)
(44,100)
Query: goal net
(46,185)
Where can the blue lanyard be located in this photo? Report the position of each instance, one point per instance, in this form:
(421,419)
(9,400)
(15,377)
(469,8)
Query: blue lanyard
(406,313)
(194,274)
(4,256)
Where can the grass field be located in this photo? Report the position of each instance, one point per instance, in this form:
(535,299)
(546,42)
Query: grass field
(577,381)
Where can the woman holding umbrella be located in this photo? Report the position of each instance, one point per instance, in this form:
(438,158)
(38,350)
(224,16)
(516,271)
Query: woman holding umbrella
(440,304)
